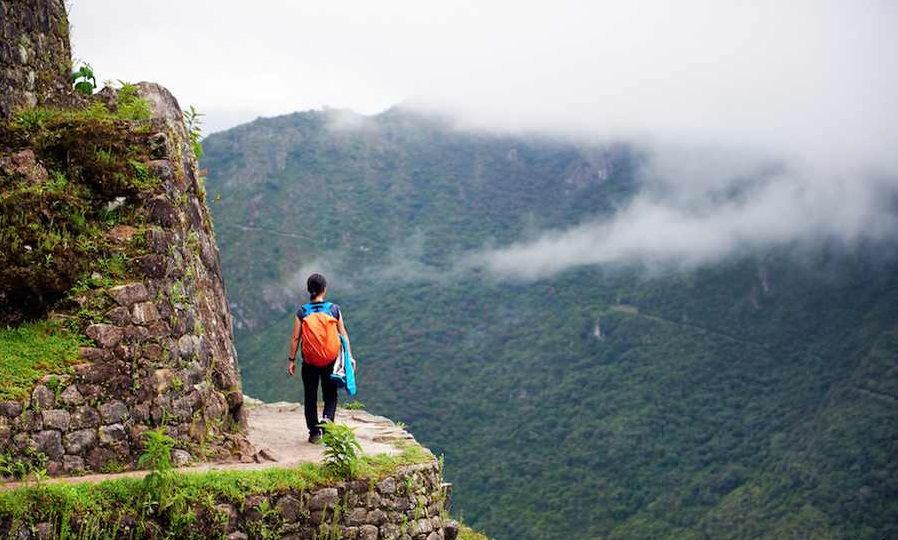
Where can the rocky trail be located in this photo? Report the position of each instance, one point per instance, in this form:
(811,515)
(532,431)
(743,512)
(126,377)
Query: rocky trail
(279,435)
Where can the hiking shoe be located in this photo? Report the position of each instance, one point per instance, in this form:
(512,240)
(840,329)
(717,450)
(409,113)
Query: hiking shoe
(315,438)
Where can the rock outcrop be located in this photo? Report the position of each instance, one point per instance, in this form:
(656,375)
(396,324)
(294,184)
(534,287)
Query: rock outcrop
(113,177)
(163,353)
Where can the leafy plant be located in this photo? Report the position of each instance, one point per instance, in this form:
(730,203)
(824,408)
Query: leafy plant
(341,449)
(158,484)
(354,405)
(84,80)
(193,123)
(129,104)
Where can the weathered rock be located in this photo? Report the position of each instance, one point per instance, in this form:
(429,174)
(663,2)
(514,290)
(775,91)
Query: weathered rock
(24,164)
(84,417)
(132,334)
(121,234)
(145,312)
(77,442)
(31,420)
(112,434)
(368,532)
(152,266)
(71,395)
(420,526)
(98,458)
(10,409)
(162,212)
(72,464)
(141,412)
(387,486)
(189,345)
(50,443)
(289,508)
(113,412)
(55,419)
(159,329)
(161,168)
(106,335)
(119,315)
(324,498)
(130,294)
(162,379)
(42,397)
(450,530)
(376,516)
(89,391)
(180,458)
(358,516)
(389,531)
(94,354)
(98,372)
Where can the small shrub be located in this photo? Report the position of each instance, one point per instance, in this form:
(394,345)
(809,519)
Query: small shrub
(84,80)
(129,104)
(341,449)
(193,124)
(354,405)
(159,484)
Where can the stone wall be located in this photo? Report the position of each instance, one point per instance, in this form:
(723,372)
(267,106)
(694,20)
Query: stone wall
(410,504)
(164,355)
(35,59)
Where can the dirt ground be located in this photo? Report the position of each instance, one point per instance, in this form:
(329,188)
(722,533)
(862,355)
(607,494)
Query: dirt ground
(278,432)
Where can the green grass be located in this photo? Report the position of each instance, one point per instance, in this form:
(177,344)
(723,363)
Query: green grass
(192,493)
(31,351)
(467,533)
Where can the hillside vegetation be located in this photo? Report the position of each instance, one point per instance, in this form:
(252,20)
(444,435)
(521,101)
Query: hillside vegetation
(753,398)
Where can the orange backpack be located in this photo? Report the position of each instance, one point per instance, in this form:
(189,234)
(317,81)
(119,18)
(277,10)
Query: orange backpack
(320,337)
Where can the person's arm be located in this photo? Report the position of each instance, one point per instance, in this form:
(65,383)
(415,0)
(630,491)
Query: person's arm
(342,329)
(294,345)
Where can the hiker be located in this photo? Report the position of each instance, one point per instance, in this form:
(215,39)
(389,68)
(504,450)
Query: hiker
(318,326)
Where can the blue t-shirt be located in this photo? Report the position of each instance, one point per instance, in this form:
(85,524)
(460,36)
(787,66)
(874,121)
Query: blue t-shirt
(333,309)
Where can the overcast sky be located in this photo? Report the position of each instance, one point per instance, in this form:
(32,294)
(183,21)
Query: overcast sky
(808,83)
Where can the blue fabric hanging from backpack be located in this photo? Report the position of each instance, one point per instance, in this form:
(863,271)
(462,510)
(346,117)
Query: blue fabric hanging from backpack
(344,368)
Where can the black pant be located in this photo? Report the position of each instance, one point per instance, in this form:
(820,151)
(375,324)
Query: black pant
(310,377)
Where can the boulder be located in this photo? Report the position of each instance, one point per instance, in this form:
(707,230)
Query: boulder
(56,419)
(106,335)
(77,442)
(127,295)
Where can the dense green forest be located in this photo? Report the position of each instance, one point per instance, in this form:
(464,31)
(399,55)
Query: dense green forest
(753,398)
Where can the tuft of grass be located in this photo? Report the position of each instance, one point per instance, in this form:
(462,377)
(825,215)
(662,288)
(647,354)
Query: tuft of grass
(31,351)
(467,533)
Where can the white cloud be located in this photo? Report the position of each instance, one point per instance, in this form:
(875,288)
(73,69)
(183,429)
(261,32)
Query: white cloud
(803,90)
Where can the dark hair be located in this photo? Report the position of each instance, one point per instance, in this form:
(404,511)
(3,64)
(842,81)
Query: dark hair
(316,285)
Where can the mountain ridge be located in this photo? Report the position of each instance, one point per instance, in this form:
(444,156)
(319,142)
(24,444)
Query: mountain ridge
(718,401)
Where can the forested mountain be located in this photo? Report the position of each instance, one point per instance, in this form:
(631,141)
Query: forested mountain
(753,397)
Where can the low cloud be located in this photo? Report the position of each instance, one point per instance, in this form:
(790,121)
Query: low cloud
(700,206)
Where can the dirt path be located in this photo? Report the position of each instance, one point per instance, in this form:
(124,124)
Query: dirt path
(278,431)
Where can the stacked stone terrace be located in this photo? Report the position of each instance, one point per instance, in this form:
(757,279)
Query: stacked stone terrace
(166,356)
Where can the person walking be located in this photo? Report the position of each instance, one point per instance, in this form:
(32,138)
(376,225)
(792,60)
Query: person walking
(316,335)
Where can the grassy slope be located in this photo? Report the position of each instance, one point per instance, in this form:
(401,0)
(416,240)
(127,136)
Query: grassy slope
(31,351)
(718,403)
